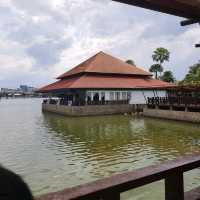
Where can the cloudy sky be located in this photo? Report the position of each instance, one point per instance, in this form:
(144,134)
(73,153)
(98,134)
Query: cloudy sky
(40,39)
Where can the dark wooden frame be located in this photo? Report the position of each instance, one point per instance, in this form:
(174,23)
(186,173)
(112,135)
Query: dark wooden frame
(174,101)
(110,188)
(174,7)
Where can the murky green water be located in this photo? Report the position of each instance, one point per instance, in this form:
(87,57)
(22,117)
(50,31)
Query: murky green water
(53,152)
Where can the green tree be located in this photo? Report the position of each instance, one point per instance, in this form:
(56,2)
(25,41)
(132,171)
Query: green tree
(155,68)
(160,55)
(168,77)
(193,76)
(130,62)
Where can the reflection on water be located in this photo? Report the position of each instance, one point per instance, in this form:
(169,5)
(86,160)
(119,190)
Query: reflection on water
(53,152)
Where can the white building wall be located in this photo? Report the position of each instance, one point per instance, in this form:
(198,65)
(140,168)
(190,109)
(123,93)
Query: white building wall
(135,97)
(161,93)
(107,95)
(141,96)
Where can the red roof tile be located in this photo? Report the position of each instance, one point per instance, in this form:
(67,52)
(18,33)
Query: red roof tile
(105,82)
(105,64)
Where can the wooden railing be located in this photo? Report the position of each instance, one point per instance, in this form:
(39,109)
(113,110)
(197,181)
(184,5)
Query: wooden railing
(78,103)
(174,101)
(111,188)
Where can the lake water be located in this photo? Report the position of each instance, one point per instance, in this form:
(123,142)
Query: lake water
(53,152)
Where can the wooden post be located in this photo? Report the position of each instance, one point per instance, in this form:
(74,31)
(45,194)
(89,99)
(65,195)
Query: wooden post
(110,195)
(197,45)
(174,187)
(189,22)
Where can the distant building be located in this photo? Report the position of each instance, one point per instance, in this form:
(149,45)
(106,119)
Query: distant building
(10,91)
(23,90)
(27,89)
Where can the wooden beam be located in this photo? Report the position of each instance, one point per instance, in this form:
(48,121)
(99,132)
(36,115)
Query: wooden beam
(189,22)
(197,45)
(190,2)
(179,8)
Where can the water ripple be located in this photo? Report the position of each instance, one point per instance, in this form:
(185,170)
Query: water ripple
(53,152)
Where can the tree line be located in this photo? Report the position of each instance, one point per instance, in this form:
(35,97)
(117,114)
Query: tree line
(162,55)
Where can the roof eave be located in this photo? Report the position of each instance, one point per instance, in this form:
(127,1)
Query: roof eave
(107,74)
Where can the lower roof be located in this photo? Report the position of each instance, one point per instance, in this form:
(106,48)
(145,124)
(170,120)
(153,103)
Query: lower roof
(105,82)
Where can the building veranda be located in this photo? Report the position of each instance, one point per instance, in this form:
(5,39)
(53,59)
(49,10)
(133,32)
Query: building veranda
(103,80)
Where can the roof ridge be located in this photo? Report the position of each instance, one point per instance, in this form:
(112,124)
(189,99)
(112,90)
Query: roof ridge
(128,63)
(121,60)
(102,62)
(92,59)
(89,60)
(101,52)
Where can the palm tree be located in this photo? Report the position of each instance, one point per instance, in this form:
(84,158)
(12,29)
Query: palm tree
(155,68)
(161,55)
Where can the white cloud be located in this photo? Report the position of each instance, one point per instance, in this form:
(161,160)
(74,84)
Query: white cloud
(91,44)
(41,39)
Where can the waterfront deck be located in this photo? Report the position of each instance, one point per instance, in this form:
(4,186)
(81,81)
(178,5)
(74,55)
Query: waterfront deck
(111,188)
(190,104)
(174,108)
(91,109)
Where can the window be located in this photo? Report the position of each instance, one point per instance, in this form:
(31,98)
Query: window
(89,97)
(102,94)
(124,96)
(117,96)
(112,96)
(129,95)
(96,96)
(89,94)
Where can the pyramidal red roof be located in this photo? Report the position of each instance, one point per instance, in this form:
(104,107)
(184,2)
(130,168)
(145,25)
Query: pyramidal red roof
(103,63)
(103,71)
